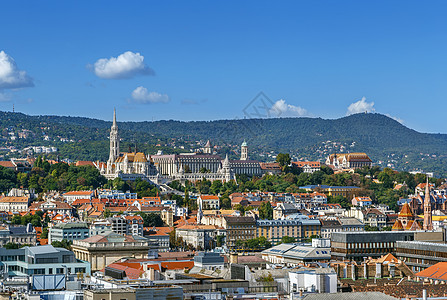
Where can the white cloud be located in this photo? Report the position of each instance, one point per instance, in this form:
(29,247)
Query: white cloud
(360,106)
(126,65)
(143,96)
(10,76)
(282,109)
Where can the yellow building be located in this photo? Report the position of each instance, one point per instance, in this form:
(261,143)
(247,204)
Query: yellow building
(300,228)
(345,191)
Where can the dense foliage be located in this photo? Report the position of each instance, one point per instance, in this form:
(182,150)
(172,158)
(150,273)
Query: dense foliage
(373,182)
(60,176)
(383,138)
(259,243)
(151,219)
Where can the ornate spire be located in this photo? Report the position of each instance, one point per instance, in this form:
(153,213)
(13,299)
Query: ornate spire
(428,225)
(114,141)
(199,213)
(226,162)
(181,171)
(114,118)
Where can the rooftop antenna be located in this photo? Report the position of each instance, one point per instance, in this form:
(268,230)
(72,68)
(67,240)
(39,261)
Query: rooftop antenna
(13,110)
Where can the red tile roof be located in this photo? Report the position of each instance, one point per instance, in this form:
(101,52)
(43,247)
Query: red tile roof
(300,164)
(80,202)
(177,265)
(14,199)
(437,271)
(7,164)
(209,197)
(84,163)
(78,193)
(131,271)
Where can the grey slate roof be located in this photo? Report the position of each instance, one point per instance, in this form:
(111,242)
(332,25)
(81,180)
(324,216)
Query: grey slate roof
(42,249)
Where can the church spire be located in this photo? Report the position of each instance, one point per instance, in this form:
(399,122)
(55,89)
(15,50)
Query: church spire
(114,141)
(428,225)
(114,118)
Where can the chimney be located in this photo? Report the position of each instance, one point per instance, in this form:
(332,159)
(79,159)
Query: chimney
(233,258)
(424,294)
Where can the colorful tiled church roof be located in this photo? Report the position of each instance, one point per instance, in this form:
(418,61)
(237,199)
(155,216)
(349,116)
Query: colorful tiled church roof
(397,225)
(406,211)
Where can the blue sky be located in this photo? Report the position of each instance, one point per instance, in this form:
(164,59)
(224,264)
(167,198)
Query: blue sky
(206,60)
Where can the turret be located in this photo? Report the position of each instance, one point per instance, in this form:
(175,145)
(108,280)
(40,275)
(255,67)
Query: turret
(244,151)
(428,225)
(207,148)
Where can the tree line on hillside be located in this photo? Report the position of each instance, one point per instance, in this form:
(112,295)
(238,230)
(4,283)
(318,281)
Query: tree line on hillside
(375,134)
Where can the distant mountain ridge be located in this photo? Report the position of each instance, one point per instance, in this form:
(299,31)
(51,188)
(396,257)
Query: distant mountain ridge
(383,138)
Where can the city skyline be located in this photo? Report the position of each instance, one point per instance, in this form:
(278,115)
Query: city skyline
(203,61)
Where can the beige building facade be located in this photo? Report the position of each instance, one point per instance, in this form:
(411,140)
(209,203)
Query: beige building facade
(102,250)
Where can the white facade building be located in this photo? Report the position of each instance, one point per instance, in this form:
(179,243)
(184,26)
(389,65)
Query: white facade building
(127,165)
(318,280)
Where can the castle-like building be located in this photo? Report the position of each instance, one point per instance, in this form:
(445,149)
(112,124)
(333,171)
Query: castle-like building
(126,165)
(183,166)
(348,160)
(185,163)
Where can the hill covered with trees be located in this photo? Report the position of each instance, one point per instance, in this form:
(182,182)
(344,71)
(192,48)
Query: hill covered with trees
(387,142)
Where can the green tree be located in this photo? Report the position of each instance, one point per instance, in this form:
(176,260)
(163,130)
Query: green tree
(283,159)
(44,234)
(371,228)
(215,187)
(107,213)
(386,179)
(344,202)
(10,245)
(220,240)
(287,240)
(225,201)
(268,278)
(151,219)
(16,220)
(62,244)
(266,211)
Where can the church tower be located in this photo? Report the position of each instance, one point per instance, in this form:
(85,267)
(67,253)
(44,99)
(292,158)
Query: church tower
(199,213)
(207,149)
(226,169)
(244,151)
(428,225)
(114,141)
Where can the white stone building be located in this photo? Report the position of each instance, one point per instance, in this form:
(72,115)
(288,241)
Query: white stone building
(127,165)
